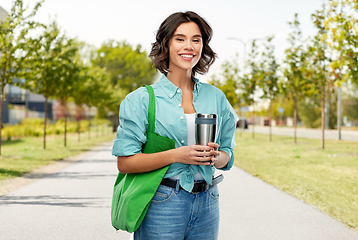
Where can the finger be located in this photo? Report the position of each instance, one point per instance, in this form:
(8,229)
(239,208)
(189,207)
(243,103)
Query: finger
(203,160)
(214,145)
(213,161)
(214,153)
(202,148)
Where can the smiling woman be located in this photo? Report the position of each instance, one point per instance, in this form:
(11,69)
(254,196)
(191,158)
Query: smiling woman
(185,205)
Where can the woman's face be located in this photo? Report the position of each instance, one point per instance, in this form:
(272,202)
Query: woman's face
(185,47)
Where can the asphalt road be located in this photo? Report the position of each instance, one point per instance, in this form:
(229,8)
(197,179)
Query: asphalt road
(346,135)
(74,203)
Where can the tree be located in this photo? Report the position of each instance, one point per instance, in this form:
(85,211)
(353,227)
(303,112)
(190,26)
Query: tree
(92,89)
(269,78)
(286,103)
(318,60)
(15,46)
(343,36)
(44,66)
(295,70)
(127,67)
(228,81)
(249,82)
(68,73)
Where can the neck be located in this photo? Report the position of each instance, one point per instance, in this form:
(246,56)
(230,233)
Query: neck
(181,79)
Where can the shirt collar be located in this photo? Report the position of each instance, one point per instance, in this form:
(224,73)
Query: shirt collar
(170,89)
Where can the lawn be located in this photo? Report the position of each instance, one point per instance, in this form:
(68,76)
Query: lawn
(326,179)
(26,154)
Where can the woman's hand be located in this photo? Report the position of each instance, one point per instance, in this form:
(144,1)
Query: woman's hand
(220,159)
(214,153)
(194,154)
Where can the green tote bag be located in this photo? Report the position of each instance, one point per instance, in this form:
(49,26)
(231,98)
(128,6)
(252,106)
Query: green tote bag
(133,193)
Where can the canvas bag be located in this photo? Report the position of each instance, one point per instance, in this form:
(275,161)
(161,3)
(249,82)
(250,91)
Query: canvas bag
(133,193)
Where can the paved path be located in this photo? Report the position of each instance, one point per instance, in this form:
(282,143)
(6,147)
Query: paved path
(307,132)
(74,203)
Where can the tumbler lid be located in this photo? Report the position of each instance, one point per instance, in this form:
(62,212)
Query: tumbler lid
(206,115)
(202,118)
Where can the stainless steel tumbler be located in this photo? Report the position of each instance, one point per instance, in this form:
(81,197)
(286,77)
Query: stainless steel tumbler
(205,128)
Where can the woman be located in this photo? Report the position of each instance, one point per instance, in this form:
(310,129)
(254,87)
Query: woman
(181,209)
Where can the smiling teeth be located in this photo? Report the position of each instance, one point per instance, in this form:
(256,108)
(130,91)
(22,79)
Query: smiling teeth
(187,56)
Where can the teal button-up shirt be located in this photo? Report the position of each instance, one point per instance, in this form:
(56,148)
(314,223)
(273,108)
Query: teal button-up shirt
(170,121)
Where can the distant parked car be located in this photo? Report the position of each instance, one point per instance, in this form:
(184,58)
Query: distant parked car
(241,121)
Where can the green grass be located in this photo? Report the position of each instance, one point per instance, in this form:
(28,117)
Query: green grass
(326,179)
(26,154)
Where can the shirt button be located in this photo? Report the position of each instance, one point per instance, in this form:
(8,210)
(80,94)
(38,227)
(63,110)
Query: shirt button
(182,141)
(181,117)
(178,90)
(179,105)
(171,94)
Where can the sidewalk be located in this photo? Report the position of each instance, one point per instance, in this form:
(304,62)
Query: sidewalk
(254,210)
(74,203)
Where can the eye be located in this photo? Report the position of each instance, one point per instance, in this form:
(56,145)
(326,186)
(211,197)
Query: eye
(180,39)
(197,40)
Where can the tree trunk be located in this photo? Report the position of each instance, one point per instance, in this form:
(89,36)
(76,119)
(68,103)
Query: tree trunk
(79,129)
(89,124)
(1,108)
(323,113)
(253,121)
(270,120)
(97,127)
(45,121)
(295,120)
(65,132)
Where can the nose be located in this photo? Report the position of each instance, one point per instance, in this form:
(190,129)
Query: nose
(189,46)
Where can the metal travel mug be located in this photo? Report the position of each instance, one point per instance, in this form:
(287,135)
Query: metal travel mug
(205,128)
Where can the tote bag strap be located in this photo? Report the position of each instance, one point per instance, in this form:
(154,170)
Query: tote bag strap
(151,109)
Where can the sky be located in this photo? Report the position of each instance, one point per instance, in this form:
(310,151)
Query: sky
(136,21)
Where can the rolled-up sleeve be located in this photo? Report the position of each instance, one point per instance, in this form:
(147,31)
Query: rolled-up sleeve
(133,123)
(227,139)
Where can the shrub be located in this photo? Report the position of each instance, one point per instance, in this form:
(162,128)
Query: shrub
(34,127)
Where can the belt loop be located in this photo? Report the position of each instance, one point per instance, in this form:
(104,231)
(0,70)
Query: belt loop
(177,187)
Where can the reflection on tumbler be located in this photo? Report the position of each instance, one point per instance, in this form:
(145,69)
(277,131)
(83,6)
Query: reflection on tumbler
(205,128)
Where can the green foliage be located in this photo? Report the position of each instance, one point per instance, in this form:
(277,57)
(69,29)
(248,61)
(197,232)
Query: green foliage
(310,112)
(268,71)
(229,81)
(128,67)
(342,36)
(45,66)
(286,103)
(249,83)
(295,71)
(16,46)
(350,103)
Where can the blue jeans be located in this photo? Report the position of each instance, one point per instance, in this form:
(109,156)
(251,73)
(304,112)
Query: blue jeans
(177,214)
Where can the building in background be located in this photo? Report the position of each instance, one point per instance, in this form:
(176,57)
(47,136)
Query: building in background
(20,103)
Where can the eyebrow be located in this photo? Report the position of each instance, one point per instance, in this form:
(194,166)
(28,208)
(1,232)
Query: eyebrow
(182,35)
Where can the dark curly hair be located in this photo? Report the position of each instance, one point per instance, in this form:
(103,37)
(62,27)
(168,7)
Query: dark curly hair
(160,48)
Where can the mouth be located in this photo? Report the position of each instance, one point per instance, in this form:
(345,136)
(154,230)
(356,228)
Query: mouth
(187,56)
